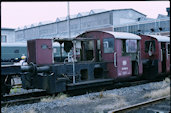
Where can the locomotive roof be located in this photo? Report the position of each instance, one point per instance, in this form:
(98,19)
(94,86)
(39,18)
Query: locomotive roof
(124,35)
(161,38)
(72,39)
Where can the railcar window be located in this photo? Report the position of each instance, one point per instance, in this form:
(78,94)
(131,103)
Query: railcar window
(169,49)
(108,45)
(149,45)
(16,51)
(131,46)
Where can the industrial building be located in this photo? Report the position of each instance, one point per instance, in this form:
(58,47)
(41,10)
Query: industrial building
(121,20)
(159,26)
(93,20)
(7,35)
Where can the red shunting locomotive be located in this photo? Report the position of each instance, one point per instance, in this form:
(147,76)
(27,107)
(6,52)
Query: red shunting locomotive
(95,57)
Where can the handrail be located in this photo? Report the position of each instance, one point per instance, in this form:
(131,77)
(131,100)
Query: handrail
(167,53)
(115,63)
(161,55)
(138,57)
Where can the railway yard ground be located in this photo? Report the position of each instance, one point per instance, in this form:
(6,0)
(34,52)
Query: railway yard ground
(98,102)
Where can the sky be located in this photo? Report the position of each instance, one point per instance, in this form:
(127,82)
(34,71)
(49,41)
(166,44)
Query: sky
(19,14)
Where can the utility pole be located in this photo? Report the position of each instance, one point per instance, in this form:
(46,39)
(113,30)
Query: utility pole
(74,49)
(68,22)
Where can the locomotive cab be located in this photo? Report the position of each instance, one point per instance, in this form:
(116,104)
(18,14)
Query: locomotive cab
(80,66)
(119,50)
(155,55)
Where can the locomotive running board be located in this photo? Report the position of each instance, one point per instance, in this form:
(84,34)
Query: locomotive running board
(91,83)
(10,70)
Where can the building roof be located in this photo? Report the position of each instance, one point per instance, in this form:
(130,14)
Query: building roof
(96,11)
(129,9)
(93,11)
(145,19)
(161,38)
(7,28)
(162,16)
(81,14)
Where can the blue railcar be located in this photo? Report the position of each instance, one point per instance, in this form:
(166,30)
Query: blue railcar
(12,52)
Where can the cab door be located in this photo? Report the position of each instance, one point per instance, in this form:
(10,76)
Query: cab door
(109,47)
(122,62)
(117,65)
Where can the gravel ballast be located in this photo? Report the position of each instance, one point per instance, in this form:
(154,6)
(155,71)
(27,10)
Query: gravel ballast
(95,102)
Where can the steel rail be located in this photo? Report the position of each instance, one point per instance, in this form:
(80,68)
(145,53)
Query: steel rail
(19,98)
(139,105)
(22,101)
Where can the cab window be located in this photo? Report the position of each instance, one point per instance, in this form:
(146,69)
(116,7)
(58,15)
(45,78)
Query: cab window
(131,46)
(108,45)
(149,46)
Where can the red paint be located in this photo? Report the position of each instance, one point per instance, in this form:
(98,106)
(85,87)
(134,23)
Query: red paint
(40,51)
(157,54)
(124,65)
(159,58)
(145,55)
(168,64)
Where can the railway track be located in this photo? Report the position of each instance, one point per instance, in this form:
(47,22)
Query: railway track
(33,97)
(21,101)
(24,98)
(151,106)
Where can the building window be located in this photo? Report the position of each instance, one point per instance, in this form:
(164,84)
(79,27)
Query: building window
(149,46)
(3,38)
(16,51)
(108,45)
